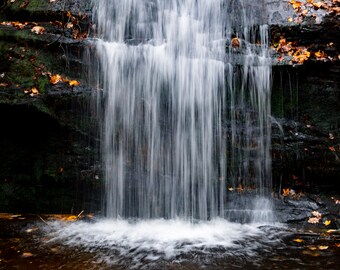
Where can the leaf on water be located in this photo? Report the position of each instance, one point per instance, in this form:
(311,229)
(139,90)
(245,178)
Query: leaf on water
(71,218)
(27,254)
(33,229)
(298,240)
(327,222)
(312,248)
(323,247)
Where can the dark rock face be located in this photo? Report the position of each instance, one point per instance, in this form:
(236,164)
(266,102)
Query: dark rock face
(48,161)
(306,146)
(48,158)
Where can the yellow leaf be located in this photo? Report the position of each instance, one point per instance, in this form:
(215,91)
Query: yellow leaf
(323,247)
(298,240)
(327,222)
(290,19)
(73,83)
(312,248)
(72,218)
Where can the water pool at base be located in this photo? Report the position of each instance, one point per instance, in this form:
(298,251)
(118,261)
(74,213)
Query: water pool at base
(106,244)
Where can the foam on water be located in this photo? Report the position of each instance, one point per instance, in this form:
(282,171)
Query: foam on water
(162,239)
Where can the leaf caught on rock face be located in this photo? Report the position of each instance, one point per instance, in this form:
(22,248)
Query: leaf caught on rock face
(317,214)
(73,83)
(313,220)
(235,42)
(286,192)
(56,79)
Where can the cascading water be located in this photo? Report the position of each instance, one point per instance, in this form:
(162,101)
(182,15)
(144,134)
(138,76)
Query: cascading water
(182,119)
(186,119)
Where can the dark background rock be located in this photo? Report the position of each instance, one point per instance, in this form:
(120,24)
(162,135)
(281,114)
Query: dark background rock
(48,158)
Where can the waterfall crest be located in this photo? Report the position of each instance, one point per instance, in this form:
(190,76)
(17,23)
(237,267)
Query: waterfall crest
(185,116)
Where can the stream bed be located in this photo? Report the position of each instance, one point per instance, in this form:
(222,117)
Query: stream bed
(62,242)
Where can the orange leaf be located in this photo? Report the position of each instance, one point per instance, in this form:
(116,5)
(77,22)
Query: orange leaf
(55,79)
(235,42)
(73,83)
(286,192)
(38,30)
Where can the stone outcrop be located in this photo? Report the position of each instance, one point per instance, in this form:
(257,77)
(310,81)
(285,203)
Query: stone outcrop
(48,160)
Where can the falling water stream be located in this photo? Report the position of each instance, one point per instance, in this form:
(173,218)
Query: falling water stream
(185,127)
(173,98)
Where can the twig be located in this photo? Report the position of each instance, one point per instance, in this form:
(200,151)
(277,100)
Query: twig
(45,222)
(79,215)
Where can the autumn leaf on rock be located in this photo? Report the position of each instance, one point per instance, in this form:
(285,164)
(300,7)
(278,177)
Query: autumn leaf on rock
(327,222)
(56,79)
(313,220)
(286,192)
(73,83)
(316,214)
(298,240)
(38,30)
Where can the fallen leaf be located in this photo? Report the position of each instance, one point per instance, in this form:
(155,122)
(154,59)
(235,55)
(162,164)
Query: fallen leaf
(38,30)
(323,247)
(71,218)
(312,248)
(27,254)
(298,240)
(316,214)
(313,220)
(327,222)
(56,78)
(73,83)
(286,192)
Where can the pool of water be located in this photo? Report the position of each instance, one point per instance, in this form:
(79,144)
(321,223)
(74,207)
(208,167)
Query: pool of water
(34,243)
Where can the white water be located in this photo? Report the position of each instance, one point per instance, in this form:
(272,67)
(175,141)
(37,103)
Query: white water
(185,118)
(140,244)
(180,125)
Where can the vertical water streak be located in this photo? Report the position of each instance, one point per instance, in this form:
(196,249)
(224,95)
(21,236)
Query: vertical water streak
(168,98)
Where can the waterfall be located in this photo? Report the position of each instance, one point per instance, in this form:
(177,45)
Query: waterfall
(185,113)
